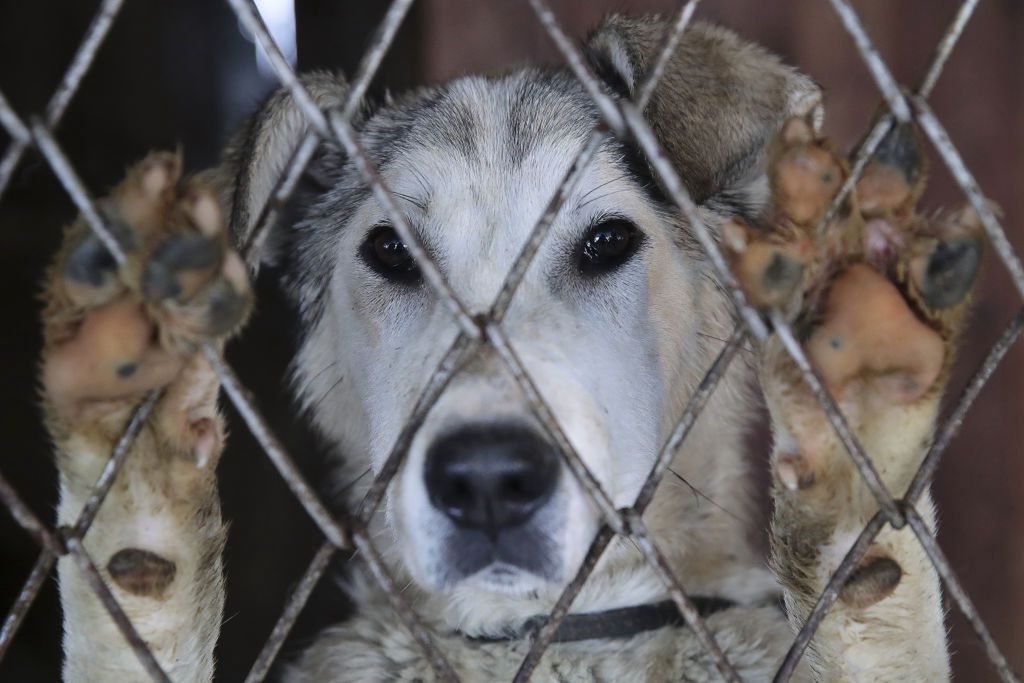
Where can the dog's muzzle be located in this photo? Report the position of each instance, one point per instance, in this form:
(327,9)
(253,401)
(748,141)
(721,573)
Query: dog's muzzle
(491,478)
(496,485)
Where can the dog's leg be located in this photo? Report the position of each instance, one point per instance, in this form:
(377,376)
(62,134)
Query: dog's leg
(113,333)
(879,300)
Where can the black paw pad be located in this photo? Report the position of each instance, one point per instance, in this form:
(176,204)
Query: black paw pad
(141,572)
(164,274)
(901,149)
(225,308)
(90,263)
(782,274)
(872,581)
(949,273)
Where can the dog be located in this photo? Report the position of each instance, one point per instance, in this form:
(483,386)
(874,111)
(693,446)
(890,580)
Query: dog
(616,320)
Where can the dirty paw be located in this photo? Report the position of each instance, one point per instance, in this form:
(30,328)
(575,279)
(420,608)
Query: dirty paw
(876,292)
(113,330)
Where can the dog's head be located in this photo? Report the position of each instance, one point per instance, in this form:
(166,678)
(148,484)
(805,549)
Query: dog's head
(608,319)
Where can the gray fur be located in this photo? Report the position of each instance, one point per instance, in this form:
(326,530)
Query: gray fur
(474,162)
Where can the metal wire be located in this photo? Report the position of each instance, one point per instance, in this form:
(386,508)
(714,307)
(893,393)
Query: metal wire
(622,118)
(967,608)
(58,104)
(917,486)
(292,609)
(869,144)
(886,83)
(27,595)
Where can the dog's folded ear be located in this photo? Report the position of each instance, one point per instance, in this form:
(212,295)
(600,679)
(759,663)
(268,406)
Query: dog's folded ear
(259,153)
(716,107)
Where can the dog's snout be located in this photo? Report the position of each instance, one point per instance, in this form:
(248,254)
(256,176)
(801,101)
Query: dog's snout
(490,477)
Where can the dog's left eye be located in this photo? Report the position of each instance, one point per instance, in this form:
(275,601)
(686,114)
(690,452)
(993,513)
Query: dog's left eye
(608,245)
(387,254)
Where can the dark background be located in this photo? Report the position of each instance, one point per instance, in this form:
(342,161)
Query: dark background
(181,73)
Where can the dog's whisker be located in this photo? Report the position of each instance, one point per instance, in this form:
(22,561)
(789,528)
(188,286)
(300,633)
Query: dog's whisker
(421,180)
(327,393)
(418,203)
(229,618)
(636,546)
(602,196)
(700,494)
(605,183)
(302,390)
(711,336)
(352,483)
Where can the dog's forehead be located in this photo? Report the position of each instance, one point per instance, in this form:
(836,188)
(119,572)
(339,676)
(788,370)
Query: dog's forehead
(477,118)
(483,157)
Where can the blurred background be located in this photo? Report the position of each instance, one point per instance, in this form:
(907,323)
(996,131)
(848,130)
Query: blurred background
(183,74)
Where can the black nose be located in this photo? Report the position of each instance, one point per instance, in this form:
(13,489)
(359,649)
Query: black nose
(490,477)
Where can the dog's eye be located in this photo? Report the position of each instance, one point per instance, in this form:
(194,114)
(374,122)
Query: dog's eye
(608,245)
(387,254)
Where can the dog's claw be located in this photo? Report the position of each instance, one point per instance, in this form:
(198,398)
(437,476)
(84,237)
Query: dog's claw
(794,471)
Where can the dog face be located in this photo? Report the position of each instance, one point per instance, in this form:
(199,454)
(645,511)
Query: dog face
(483,496)
(606,321)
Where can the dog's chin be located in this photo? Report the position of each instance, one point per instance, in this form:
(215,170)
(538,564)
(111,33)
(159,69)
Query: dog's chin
(505,579)
(516,564)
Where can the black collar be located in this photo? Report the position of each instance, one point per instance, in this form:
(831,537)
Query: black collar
(624,622)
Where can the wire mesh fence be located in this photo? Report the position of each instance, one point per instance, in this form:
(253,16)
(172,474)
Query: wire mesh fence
(620,117)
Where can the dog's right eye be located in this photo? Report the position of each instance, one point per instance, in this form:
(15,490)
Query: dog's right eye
(608,245)
(386,253)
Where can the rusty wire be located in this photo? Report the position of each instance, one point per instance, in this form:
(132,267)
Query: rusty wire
(623,118)
(58,104)
(293,607)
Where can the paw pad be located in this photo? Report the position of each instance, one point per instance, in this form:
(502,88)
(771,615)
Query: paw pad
(180,266)
(805,175)
(880,288)
(871,582)
(769,272)
(115,330)
(894,178)
(944,277)
(141,572)
(864,316)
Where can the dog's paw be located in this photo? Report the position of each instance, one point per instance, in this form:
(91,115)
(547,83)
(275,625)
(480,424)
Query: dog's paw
(113,331)
(877,299)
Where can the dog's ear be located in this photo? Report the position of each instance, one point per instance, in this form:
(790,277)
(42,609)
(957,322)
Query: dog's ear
(716,108)
(259,152)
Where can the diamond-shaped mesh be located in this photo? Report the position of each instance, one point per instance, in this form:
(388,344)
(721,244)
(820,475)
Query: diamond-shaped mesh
(475,332)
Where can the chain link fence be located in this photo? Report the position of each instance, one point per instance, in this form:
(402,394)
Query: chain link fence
(624,118)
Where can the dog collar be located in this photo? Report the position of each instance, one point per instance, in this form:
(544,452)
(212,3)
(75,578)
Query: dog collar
(623,622)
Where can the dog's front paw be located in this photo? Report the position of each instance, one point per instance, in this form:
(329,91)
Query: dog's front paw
(877,298)
(116,331)
(113,331)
